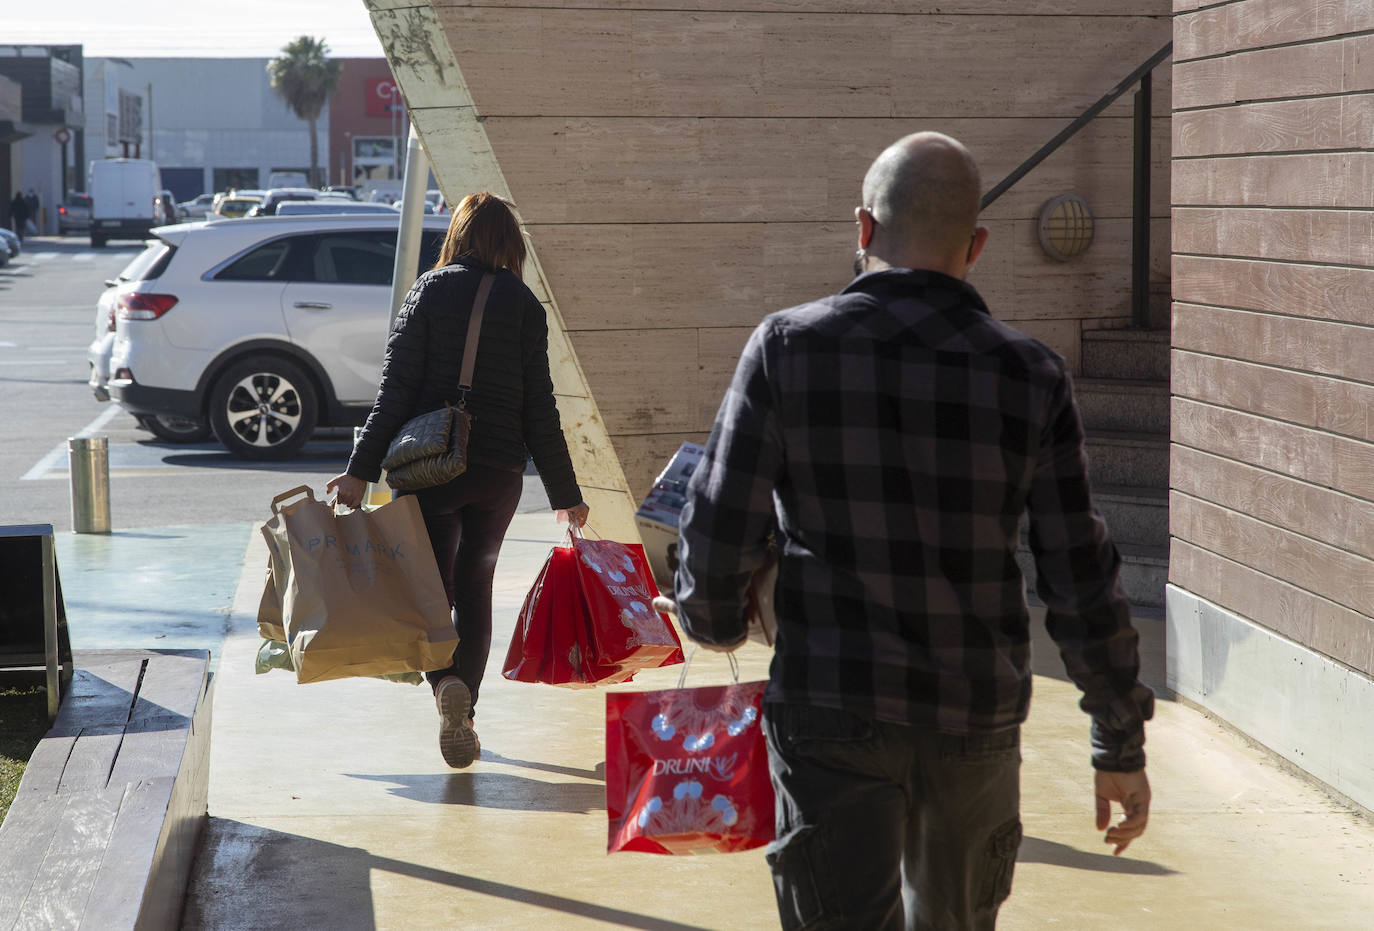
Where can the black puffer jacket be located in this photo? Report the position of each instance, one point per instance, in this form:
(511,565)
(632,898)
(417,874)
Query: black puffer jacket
(511,402)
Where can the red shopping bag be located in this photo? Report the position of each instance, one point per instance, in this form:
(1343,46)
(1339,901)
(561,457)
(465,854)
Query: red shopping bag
(619,591)
(529,642)
(687,770)
(551,642)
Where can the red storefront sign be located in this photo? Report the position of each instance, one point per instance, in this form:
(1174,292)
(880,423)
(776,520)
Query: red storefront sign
(383,96)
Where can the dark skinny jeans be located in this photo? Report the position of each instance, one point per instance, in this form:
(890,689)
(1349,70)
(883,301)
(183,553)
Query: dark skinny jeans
(467,520)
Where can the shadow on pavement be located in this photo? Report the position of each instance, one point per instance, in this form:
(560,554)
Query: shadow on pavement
(322,458)
(599,773)
(494,790)
(1036,850)
(237,884)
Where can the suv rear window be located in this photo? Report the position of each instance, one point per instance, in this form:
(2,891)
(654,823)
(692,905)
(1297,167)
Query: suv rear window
(78,200)
(150,263)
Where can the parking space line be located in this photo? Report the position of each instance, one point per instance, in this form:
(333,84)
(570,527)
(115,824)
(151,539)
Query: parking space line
(83,257)
(59,452)
(42,256)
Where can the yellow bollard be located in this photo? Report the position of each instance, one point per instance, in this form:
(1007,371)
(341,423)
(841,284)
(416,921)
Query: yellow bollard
(88,461)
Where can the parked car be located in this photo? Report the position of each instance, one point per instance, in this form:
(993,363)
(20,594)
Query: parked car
(237,203)
(274,197)
(330,207)
(198,207)
(12,244)
(264,328)
(74,213)
(124,194)
(174,428)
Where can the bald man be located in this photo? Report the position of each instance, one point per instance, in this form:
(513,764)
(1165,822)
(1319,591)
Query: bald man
(894,434)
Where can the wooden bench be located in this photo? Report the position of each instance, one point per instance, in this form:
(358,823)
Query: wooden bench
(107,818)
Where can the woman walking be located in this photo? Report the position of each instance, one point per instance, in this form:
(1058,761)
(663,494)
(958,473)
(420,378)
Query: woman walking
(513,418)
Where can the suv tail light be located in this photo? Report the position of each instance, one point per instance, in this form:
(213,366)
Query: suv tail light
(62,210)
(137,305)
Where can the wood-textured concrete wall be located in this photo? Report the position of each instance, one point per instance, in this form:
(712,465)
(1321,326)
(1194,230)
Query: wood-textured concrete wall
(1272,473)
(684,167)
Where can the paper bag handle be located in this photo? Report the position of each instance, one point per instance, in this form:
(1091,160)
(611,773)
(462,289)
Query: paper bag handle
(309,493)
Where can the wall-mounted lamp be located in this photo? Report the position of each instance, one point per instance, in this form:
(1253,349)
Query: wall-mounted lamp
(1065,227)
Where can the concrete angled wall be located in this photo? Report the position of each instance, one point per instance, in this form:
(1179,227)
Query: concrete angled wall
(1271,606)
(455,141)
(685,168)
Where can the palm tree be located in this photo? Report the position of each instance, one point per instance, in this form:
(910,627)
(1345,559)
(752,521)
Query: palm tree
(304,76)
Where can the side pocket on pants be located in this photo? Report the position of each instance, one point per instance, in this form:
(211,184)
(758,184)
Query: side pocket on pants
(799,870)
(1001,862)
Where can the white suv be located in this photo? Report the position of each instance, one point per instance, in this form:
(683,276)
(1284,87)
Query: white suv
(262,328)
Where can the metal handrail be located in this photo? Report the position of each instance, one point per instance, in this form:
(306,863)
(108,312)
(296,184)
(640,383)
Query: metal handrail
(1046,150)
(1140,174)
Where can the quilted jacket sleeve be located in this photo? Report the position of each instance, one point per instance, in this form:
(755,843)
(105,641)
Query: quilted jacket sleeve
(403,371)
(543,431)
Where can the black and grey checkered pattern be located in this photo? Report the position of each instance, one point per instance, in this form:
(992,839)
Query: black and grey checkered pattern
(896,432)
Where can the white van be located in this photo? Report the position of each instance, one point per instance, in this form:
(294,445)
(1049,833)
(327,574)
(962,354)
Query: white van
(123,194)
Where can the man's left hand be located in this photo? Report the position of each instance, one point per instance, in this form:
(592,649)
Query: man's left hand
(1132,792)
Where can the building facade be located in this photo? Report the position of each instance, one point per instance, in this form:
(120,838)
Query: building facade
(368,124)
(209,123)
(43,156)
(1271,601)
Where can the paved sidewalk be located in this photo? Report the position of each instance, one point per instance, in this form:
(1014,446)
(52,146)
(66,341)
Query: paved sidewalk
(331,808)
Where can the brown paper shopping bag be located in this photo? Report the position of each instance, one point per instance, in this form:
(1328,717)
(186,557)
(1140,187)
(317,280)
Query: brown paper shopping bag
(360,592)
(269,609)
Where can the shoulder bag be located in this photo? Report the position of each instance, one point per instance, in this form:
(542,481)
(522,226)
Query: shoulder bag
(432,449)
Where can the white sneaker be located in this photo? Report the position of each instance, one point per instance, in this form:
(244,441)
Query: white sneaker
(457,740)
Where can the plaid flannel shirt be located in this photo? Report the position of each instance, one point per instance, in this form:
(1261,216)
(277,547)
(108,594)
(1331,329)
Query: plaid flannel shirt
(896,433)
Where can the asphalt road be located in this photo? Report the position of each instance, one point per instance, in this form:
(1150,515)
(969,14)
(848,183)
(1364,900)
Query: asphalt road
(47,319)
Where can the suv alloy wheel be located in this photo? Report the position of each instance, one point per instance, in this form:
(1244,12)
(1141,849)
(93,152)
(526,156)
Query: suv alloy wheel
(263,408)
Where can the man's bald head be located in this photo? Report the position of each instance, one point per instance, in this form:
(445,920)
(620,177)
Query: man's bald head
(924,192)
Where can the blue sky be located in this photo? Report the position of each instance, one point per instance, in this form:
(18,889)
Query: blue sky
(194,28)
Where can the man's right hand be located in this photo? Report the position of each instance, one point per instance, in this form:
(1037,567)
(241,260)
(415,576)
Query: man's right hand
(1132,792)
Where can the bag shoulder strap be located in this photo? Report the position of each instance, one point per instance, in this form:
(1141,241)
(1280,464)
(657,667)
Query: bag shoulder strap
(479,307)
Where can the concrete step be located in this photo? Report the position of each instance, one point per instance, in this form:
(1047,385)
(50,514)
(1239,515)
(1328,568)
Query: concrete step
(1136,516)
(1134,405)
(1144,573)
(1139,460)
(1126,354)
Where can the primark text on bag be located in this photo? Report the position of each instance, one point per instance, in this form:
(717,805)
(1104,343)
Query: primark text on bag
(359,592)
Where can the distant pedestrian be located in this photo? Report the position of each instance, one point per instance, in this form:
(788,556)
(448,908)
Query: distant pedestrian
(895,433)
(19,214)
(35,210)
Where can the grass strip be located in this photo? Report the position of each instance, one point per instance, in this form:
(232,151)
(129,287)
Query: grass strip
(23,722)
